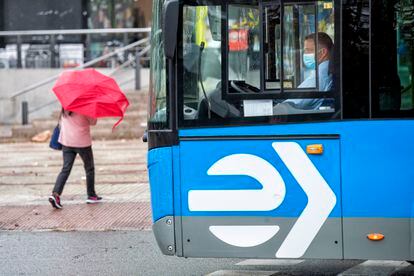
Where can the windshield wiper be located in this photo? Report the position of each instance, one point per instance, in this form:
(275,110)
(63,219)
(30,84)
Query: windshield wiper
(200,79)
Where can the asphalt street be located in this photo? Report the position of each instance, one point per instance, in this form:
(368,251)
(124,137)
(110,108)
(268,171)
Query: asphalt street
(136,253)
(94,253)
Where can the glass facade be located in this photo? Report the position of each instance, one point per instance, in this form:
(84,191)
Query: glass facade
(76,14)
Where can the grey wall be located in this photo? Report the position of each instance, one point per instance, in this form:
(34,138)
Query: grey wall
(44,14)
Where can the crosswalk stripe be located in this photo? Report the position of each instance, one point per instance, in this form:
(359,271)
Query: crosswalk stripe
(242,273)
(378,268)
(281,262)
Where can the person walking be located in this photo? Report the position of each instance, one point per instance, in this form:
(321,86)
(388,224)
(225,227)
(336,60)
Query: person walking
(75,137)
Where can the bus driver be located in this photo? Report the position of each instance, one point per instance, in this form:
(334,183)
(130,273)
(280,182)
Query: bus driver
(325,47)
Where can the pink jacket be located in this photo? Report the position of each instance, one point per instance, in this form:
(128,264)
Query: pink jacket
(75,130)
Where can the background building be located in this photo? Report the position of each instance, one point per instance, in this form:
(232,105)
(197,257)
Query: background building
(70,50)
(30,61)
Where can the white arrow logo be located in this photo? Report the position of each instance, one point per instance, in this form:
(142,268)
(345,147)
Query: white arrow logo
(266,199)
(321,199)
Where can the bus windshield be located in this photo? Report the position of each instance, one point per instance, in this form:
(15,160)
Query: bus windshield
(259,61)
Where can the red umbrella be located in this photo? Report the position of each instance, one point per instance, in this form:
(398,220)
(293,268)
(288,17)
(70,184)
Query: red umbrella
(91,93)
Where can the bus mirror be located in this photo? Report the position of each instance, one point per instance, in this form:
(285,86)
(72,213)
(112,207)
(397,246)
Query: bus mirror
(170,26)
(214,18)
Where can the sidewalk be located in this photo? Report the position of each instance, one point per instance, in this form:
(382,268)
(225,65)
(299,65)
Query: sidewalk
(28,172)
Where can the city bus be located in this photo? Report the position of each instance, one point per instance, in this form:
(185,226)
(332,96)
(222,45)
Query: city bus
(282,129)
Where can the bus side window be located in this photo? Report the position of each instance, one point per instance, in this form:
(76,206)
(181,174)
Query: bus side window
(308,40)
(299,47)
(302,55)
(392,48)
(244,46)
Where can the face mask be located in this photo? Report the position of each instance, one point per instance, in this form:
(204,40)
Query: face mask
(309,61)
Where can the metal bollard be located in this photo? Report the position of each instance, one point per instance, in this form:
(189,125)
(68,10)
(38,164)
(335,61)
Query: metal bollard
(137,71)
(25,113)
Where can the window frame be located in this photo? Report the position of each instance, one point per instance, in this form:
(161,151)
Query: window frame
(154,88)
(276,94)
(335,93)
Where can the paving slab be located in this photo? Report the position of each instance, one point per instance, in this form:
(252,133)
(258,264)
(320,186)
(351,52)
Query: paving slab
(23,195)
(6,131)
(28,172)
(77,217)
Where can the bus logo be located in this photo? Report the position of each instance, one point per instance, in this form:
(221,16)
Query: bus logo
(321,199)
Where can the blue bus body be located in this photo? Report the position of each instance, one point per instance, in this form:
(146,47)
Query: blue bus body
(367,186)
(282,129)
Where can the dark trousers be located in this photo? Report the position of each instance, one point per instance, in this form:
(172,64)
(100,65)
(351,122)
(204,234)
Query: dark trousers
(69,155)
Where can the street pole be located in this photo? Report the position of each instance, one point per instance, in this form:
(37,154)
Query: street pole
(137,70)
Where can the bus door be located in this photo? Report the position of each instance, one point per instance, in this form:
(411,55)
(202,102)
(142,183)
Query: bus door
(264,197)
(258,176)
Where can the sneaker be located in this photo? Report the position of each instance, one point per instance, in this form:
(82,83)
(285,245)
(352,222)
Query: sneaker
(55,201)
(93,199)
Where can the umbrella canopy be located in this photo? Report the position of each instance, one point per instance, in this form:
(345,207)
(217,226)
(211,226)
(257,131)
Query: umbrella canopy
(91,93)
